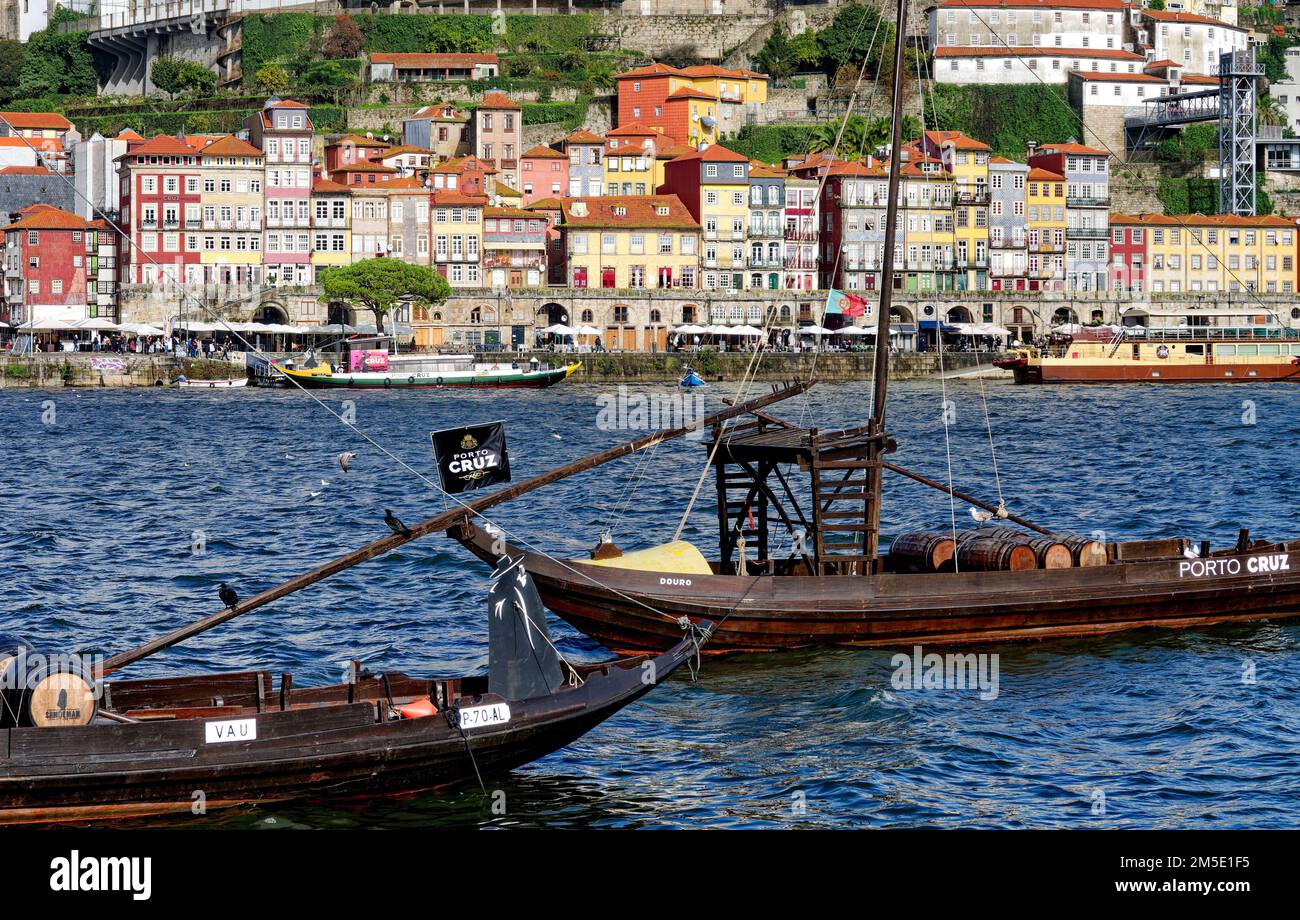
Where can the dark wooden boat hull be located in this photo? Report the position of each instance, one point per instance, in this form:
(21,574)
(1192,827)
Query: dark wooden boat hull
(634,611)
(109,771)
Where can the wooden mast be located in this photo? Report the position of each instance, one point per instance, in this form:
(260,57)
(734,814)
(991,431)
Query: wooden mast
(440,522)
(875,474)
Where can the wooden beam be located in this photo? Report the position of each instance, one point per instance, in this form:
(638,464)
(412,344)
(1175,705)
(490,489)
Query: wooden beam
(968,499)
(438,522)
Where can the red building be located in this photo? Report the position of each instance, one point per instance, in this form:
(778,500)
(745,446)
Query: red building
(160,213)
(353,149)
(46,265)
(1128,249)
(643,95)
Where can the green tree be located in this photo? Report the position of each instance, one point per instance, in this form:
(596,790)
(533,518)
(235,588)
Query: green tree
(777,57)
(854,35)
(381,285)
(272,78)
(11,66)
(57,63)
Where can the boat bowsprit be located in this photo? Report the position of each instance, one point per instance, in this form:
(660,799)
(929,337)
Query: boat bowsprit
(246,738)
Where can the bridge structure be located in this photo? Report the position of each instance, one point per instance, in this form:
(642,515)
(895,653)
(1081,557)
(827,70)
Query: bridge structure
(1165,115)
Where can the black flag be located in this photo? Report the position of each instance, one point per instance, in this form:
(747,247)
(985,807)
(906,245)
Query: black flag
(471,457)
(522,661)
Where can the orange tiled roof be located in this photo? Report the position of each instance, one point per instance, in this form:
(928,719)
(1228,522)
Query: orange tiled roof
(690,92)
(432,59)
(164,145)
(1189,18)
(633,129)
(230,146)
(1071,147)
(36,121)
(541,151)
(1037,174)
(1102,76)
(49,218)
(584,137)
(25,171)
(715,153)
(497,101)
(651,70)
(322,186)
(641,211)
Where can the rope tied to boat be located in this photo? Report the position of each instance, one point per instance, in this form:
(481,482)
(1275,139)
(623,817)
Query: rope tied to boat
(455,723)
(697,634)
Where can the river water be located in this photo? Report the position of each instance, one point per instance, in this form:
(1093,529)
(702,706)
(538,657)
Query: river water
(124,509)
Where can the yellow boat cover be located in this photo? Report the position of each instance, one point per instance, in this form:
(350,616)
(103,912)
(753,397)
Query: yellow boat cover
(678,557)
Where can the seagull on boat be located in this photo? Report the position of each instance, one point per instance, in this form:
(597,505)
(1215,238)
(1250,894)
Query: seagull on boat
(346,458)
(228,595)
(395,524)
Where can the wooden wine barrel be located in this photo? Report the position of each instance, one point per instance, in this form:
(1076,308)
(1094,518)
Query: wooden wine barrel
(47,690)
(921,551)
(1086,552)
(980,553)
(1050,553)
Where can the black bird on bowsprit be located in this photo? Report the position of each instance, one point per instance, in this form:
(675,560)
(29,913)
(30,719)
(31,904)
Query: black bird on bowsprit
(228,595)
(395,525)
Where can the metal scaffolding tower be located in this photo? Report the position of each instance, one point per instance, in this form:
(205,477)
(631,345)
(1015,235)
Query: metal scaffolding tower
(1238,76)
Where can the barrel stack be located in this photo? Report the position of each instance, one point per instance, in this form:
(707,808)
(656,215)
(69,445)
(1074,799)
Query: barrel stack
(991,549)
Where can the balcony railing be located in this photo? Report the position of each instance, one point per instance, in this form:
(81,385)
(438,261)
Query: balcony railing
(801,236)
(1088,233)
(1072,202)
(980,196)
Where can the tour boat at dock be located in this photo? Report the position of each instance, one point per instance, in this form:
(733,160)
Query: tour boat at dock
(427,371)
(1199,360)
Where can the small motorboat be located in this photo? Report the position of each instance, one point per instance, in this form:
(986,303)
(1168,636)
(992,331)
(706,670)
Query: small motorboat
(142,747)
(186,383)
(691,379)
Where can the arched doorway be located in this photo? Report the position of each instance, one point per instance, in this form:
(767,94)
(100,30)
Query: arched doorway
(959,315)
(1064,315)
(271,313)
(553,313)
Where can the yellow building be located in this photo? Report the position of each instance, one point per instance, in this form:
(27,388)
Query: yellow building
(1045,203)
(967,161)
(1220,252)
(637,242)
(331,225)
(713,184)
(229,213)
(929,232)
(631,165)
(456,224)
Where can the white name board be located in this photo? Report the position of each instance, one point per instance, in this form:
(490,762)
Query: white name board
(230,730)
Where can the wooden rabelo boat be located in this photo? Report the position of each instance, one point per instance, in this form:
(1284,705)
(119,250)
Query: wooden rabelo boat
(801,563)
(151,746)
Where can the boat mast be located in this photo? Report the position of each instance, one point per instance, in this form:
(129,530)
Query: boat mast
(875,473)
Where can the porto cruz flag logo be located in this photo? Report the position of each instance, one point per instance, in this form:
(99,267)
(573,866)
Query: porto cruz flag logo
(471,457)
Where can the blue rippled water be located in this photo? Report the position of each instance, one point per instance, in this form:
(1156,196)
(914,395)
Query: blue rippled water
(102,509)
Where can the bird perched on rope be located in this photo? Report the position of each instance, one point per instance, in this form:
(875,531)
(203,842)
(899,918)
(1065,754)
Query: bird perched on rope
(395,524)
(228,595)
(346,458)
